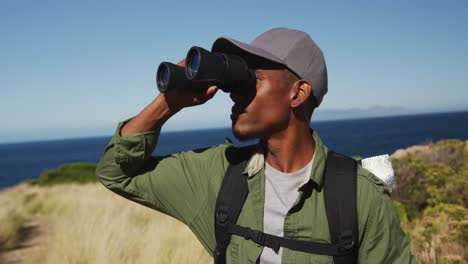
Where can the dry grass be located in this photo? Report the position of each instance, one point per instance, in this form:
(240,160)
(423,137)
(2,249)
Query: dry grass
(89,224)
(12,218)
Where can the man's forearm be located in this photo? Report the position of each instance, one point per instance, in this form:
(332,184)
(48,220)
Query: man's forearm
(152,118)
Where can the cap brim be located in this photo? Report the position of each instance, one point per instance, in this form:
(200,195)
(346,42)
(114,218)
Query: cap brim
(232,46)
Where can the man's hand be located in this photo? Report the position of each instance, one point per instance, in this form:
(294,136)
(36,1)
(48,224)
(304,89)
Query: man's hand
(166,105)
(181,98)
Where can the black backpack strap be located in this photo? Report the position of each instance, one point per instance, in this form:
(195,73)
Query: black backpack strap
(231,197)
(340,193)
(275,242)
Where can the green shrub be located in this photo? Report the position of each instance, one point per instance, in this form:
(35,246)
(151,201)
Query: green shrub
(67,173)
(402,214)
(450,152)
(443,185)
(433,177)
(411,180)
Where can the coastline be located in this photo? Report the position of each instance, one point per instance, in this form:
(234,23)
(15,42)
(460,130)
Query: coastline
(363,137)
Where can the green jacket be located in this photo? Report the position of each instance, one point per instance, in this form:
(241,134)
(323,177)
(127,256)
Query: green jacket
(185,185)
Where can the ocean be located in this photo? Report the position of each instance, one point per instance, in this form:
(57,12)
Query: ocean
(358,137)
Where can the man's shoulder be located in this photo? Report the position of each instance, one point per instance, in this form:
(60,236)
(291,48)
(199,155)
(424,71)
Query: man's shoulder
(209,158)
(214,150)
(218,156)
(370,184)
(235,154)
(372,196)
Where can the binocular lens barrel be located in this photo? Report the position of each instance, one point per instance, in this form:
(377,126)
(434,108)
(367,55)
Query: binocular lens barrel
(204,69)
(204,65)
(170,76)
(228,71)
(163,76)
(193,63)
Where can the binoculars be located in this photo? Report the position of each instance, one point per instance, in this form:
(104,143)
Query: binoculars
(204,69)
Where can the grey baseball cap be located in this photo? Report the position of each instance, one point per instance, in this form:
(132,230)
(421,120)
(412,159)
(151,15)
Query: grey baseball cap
(289,47)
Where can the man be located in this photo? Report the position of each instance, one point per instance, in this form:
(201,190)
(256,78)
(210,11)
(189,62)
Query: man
(285,175)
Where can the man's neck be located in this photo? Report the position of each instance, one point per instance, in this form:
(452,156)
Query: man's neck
(291,149)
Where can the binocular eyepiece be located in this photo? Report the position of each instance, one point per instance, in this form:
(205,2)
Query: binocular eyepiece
(204,69)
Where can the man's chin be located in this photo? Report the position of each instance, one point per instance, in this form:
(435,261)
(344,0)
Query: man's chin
(241,134)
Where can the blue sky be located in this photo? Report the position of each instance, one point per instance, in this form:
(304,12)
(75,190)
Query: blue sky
(76,68)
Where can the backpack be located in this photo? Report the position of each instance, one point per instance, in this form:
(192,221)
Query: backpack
(340,177)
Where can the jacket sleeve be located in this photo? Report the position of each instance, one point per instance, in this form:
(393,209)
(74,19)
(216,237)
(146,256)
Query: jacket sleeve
(384,241)
(176,185)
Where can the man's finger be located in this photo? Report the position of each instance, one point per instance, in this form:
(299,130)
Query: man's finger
(181,63)
(211,91)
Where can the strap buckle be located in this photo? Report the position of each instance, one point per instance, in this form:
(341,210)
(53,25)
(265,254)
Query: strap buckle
(346,241)
(222,216)
(255,236)
(260,238)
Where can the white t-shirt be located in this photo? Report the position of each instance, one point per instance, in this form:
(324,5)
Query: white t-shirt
(281,191)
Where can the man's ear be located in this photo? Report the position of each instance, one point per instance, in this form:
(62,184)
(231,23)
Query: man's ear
(300,92)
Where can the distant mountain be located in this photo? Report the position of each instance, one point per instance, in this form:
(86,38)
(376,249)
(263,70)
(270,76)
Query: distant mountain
(353,113)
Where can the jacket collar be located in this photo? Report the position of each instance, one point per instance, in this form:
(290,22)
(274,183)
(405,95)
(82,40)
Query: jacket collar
(257,162)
